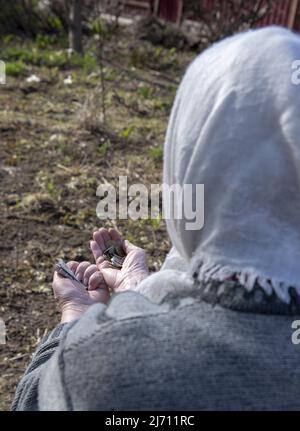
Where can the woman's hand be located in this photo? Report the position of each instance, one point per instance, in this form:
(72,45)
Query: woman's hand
(72,298)
(135,266)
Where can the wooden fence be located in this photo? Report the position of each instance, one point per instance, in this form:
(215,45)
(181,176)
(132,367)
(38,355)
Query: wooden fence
(285,12)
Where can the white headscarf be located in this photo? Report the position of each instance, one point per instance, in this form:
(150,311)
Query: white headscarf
(235,127)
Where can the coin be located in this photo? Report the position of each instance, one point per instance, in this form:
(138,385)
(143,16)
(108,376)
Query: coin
(114,253)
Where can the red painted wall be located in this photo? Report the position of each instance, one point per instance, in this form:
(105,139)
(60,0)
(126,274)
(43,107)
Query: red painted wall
(279,16)
(170,10)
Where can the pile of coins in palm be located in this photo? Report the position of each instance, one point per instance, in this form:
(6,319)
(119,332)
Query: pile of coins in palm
(115,254)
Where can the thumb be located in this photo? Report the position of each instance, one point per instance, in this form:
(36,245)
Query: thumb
(128,246)
(110,276)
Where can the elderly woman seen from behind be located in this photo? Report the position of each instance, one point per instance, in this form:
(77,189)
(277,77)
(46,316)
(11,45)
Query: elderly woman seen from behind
(212,329)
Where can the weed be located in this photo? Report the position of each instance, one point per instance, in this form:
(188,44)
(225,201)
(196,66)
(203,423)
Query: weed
(44,41)
(156,222)
(51,188)
(145,91)
(127,132)
(16,68)
(104,148)
(88,62)
(156,154)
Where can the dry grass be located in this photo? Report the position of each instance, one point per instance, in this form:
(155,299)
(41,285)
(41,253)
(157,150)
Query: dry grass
(55,150)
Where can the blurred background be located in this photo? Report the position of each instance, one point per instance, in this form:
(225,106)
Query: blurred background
(89,89)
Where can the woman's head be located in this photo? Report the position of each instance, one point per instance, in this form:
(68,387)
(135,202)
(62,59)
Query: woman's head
(235,128)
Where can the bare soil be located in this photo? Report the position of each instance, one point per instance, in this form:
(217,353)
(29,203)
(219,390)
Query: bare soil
(54,152)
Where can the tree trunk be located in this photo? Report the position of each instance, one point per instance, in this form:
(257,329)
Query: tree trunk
(75,30)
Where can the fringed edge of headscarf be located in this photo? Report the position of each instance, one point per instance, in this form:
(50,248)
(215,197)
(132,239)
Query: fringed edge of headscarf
(204,270)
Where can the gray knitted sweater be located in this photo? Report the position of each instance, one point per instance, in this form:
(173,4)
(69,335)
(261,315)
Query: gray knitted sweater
(192,351)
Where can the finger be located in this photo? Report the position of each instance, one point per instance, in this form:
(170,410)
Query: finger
(105,236)
(80,269)
(88,272)
(104,264)
(97,237)
(96,250)
(96,281)
(115,236)
(110,276)
(100,261)
(72,264)
(56,277)
(100,295)
(97,253)
(59,283)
